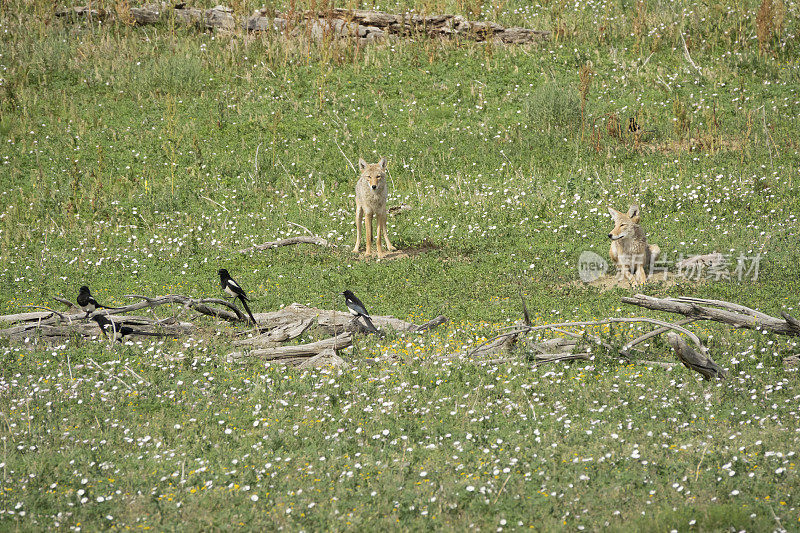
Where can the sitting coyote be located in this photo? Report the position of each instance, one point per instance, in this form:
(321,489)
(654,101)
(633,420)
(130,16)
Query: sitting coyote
(629,249)
(371,194)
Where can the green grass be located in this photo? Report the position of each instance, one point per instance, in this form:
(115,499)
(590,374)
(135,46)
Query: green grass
(140,160)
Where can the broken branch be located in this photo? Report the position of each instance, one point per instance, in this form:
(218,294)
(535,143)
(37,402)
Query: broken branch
(733,315)
(300,239)
(301,350)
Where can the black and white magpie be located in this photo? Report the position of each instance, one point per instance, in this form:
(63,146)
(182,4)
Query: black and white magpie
(87,301)
(357,309)
(119,332)
(111,330)
(231,288)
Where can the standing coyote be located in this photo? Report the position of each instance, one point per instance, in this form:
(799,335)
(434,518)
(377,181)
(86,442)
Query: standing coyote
(629,248)
(371,193)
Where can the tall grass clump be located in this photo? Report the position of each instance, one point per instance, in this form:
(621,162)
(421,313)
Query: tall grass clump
(555,106)
(769,23)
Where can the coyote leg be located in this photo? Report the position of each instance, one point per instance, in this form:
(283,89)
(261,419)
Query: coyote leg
(368,229)
(382,224)
(359,217)
(641,276)
(378,233)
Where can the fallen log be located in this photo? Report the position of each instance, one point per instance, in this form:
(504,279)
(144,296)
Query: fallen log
(334,322)
(556,345)
(274,328)
(281,330)
(301,239)
(735,315)
(299,351)
(26,317)
(88,328)
(202,305)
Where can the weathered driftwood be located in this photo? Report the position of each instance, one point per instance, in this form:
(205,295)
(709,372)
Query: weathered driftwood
(293,320)
(694,360)
(52,325)
(282,329)
(555,345)
(334,322)
(734,315)
(71,306)
(326,357)
(274,328)
(200,305)
(500,344)
(26,317)
(541,358)
(364,25)
(563,349)
(88,328)
(626,350)
(301,239)
(299,352)
(529,329)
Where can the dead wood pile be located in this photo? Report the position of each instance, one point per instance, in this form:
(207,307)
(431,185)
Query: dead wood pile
(335,330)
(578,344)
(274,329)
(364,25)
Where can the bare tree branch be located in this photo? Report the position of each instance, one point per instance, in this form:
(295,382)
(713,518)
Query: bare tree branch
(528,329)
(625,350)
(66,302)
(200,305)
(732,314)
(61,315)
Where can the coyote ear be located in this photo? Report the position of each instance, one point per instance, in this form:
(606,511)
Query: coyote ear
(383,163)
(614,213)
(361,163)
(633,212)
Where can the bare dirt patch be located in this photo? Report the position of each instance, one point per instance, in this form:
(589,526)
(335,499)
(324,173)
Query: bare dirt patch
(406,253)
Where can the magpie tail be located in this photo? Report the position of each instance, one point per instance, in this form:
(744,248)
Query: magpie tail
(247,308)
(369,323)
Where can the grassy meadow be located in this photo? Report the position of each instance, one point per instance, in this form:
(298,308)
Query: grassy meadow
(139,160)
